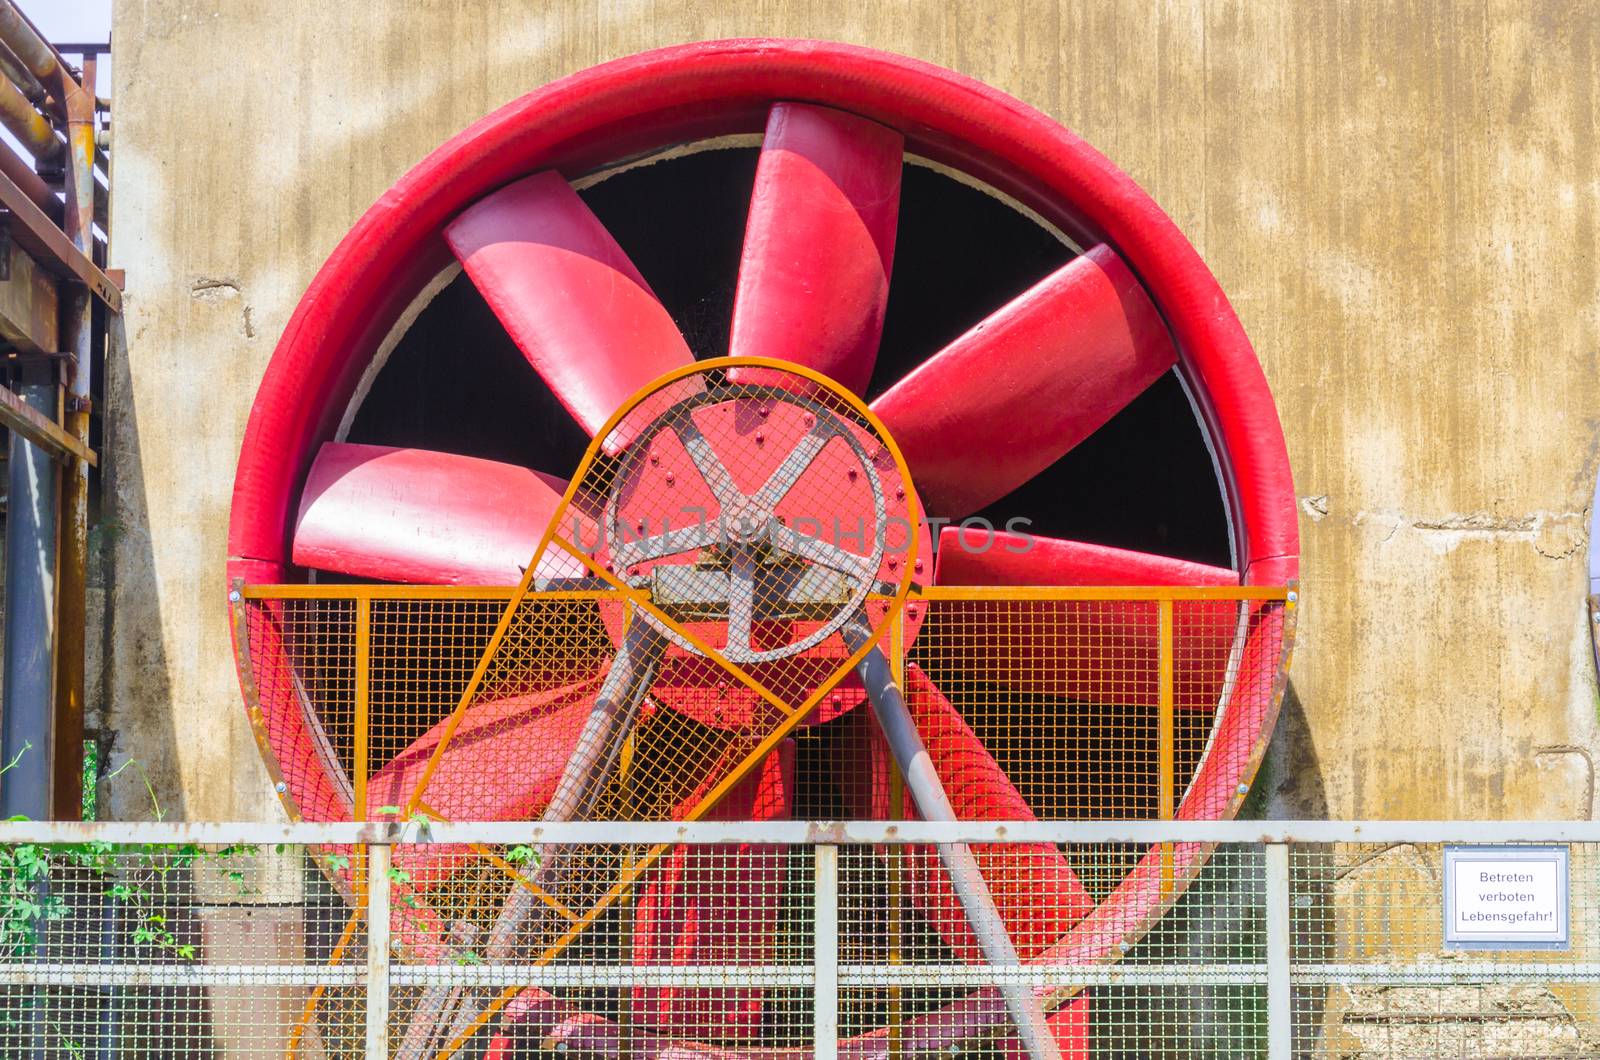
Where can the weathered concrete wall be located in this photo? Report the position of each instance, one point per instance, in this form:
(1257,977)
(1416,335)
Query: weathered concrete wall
(1399,199)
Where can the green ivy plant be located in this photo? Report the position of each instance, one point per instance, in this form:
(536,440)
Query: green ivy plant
(136,879)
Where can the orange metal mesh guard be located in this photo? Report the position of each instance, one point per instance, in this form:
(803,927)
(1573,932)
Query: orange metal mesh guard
(677,650)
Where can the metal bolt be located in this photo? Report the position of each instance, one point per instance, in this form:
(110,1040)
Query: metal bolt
(838,700)
(761,438)
(899,493)
(852,473)
(911,612)
(644,524)
(655,458)
(765,410)
(1244,789)
(234,596)
(671,478)
(1124,945)
(917,566)
(1293,596)
(280,787)
(893,562)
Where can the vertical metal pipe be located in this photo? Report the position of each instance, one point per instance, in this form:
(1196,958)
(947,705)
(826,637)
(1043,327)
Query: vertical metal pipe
(362,762)
(78,339)
(1280,1007)
(29,653)
(966,878)
(825,954)
(378,855)
(897,852)
(29,650)
(1166,781)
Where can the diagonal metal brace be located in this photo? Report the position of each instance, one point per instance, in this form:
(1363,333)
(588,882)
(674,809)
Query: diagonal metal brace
(922,781)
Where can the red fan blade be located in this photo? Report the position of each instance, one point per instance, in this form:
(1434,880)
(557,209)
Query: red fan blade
(1069,1024)
(982,557)
(1098,651)
(502,764)
(719,906)
(568,295)
(1022,388)
(819,244)
(413,515)
(1036,891)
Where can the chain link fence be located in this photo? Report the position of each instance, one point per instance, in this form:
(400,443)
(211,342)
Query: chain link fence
(773,940)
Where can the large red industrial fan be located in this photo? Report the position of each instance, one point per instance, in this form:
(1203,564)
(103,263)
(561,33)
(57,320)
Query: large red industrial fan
(654,663)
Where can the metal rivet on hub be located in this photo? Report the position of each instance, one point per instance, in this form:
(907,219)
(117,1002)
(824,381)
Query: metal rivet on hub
(655,458)
(761,439)
(671,478)
(893,563)
(917,566)
(899,493)
(765,410)
(852,473)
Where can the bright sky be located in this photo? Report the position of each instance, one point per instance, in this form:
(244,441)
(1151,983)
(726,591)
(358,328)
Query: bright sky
(74,22)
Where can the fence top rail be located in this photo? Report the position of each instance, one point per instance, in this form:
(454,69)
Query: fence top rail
(998,593)
(795,833)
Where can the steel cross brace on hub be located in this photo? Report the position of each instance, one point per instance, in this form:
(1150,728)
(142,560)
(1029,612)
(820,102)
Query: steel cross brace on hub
(763,570)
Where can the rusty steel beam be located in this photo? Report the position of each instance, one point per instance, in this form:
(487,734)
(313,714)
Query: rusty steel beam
(20,173)
(30,307)
(51,247)
(23,419)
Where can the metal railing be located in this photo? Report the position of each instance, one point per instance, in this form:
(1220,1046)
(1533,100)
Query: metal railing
(1289,939)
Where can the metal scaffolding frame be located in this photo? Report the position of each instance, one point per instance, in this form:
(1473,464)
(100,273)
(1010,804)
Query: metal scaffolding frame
(56,303)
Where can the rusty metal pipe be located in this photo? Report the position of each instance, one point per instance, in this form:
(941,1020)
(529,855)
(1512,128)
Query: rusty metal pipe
(23,120)
(18,73)
(77,334)
(35,53)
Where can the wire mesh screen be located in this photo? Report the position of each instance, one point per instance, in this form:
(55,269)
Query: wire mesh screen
(181,949)
(766,947)
(448,705)
(1374,976)
(1055,705)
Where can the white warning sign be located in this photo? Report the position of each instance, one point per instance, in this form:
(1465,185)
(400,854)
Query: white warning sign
(1506,898)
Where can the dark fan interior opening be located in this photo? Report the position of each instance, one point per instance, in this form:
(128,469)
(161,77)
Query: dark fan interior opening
(455,382)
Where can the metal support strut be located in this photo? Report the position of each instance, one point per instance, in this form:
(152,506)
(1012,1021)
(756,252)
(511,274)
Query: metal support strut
(593,757)
(922,781)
